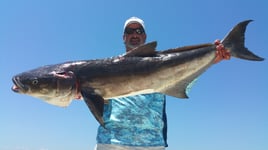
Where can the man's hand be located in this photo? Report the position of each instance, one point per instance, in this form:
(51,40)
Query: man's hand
(221,52)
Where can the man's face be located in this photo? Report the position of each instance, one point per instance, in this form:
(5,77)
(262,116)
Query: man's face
(134,36)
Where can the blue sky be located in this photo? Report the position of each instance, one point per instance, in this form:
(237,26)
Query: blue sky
(227,108)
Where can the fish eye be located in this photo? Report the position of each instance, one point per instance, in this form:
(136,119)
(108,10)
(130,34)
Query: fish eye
(35,81)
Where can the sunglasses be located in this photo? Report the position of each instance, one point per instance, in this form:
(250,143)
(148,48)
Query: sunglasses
(139,30)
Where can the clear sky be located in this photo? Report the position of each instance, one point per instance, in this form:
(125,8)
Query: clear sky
(227,108)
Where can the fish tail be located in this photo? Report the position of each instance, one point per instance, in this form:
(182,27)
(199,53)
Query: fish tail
(235,42)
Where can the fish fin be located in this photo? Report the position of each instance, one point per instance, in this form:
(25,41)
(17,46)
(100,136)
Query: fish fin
(178,90)
(57,102)
(95,103)
(181,89)
(184,48)
(143,50)
(235,42)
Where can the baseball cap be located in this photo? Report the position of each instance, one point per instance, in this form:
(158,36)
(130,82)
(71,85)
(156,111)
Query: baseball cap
(134,20)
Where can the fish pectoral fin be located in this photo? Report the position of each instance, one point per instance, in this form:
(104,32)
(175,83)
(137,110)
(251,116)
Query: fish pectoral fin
(95,104)
(148,49)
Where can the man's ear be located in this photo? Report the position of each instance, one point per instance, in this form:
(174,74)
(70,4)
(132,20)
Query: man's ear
(124,37)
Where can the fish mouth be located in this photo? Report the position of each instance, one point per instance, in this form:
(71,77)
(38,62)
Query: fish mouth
(18,87)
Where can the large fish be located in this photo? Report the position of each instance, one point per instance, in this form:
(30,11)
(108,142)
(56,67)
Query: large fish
(142,70)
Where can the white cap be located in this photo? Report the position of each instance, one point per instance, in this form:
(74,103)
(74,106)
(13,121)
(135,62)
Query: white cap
(134,20)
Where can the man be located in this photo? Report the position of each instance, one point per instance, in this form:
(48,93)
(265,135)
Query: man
(135,122)
(138,122)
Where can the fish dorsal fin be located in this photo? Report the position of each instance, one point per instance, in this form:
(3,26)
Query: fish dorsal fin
(185,48)
(143,50)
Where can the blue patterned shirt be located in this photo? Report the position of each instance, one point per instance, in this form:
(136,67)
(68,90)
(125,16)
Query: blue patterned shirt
(138,120)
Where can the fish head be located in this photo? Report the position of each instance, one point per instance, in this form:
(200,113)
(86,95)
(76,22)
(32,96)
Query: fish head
(53,84)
